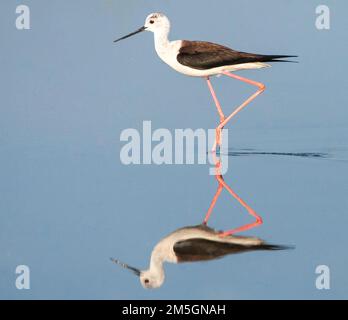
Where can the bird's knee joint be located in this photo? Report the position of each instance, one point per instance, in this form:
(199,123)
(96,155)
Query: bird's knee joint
(218,177)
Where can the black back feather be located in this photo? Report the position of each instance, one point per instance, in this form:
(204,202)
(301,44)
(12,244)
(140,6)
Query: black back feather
(206,55)
(198,249)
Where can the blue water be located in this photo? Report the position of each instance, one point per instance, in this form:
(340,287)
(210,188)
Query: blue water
(67,203)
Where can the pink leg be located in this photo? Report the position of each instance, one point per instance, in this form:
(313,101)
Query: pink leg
(222,183)
(217,103)
(261,89)
(217,141)
(216,196)
(221,114)
(258,219)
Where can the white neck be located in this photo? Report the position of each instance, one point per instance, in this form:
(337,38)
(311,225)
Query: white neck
(156,263)
(161,39)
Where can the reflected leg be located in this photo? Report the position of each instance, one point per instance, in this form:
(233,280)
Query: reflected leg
(258,219)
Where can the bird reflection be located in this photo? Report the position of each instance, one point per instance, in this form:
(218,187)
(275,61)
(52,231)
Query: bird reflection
(192,244)
(200,243)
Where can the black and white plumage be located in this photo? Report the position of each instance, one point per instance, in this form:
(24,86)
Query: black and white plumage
(192,244)
(202,249)
(200,58)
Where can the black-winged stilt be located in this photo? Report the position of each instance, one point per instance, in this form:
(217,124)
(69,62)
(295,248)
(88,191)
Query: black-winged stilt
(191,244)
(205,59)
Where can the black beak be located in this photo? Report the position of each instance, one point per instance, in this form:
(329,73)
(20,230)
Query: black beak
(126,266)
(131,34)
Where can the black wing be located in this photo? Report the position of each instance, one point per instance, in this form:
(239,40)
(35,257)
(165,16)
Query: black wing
(203,55)
(198,249)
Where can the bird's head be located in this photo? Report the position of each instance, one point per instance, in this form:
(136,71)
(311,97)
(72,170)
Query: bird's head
(151,280)
(156,21)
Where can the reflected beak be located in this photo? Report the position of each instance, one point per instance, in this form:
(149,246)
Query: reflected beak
(126,266)
(131,34)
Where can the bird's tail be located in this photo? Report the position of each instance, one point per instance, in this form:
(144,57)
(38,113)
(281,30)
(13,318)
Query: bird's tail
(278,58)
(274,247)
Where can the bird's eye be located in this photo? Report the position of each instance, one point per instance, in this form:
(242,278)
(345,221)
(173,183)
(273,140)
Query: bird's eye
(146,281)
(152,21)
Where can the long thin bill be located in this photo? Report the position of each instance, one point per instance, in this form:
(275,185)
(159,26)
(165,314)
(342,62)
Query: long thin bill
(126,266)
(131,34)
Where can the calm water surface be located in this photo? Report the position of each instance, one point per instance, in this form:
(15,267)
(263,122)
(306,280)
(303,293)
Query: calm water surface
(67,203)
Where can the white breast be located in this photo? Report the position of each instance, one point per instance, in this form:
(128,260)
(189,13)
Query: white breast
(168,54)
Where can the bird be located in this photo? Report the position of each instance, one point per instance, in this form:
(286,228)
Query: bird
(193,244)
(206,59)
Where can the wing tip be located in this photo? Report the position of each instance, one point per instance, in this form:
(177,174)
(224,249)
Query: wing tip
(280,58)
(276,247)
